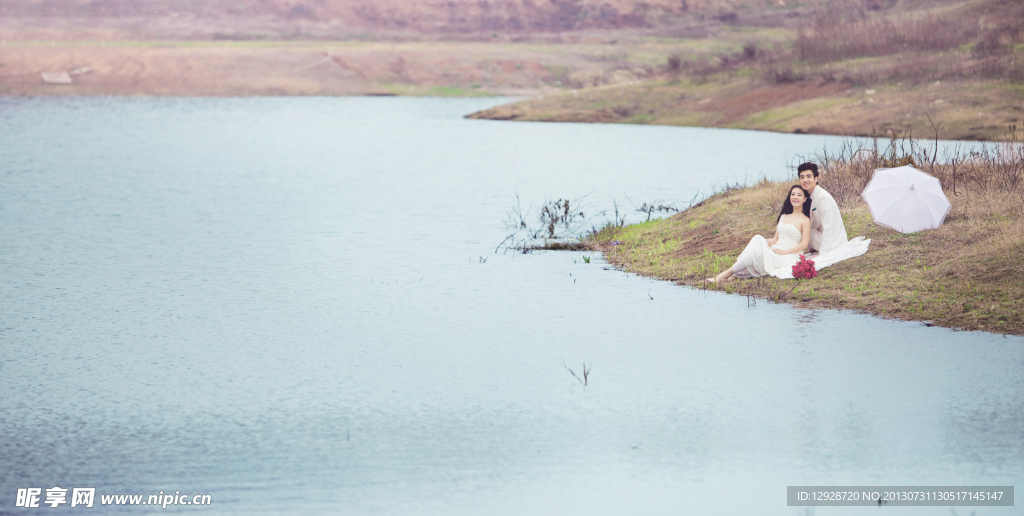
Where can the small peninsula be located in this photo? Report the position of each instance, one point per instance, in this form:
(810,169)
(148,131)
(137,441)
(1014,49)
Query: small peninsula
(967,274)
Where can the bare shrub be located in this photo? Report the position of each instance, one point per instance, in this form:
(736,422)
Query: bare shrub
(625,111)
(833,37)
(673,63)
(783,75)
(698,69)
(559,219)
(950,41)
(997,170)
(559,213)
(727,17)
(650,207)
(958,41)
(750,51)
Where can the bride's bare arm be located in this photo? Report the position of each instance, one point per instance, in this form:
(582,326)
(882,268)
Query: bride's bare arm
(805,238)
(772,240)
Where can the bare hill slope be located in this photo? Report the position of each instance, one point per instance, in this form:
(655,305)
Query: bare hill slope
(432,16)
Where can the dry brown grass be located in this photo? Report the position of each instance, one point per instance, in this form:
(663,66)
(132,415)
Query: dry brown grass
(971,39)
(452,16)
(846,70)
(857,46)
(967,274)
(959,41)
(838,34)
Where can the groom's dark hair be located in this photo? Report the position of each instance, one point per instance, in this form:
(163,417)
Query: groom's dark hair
(807,166)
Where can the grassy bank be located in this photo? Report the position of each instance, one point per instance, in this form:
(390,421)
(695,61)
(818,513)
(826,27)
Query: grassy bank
(968,109)
(967,274)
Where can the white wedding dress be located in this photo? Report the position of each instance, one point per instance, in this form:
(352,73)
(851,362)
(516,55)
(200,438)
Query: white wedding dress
(758,259)
(851,249)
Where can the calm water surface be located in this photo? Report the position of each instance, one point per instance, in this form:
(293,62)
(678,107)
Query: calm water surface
(283,302)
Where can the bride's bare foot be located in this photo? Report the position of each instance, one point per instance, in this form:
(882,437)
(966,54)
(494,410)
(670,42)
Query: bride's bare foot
(723,276)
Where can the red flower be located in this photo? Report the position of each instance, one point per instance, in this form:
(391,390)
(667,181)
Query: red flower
(804,269)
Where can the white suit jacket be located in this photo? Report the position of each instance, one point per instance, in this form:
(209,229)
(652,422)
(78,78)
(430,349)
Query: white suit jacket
(827,229)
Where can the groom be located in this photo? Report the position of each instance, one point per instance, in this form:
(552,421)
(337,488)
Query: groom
(827,230)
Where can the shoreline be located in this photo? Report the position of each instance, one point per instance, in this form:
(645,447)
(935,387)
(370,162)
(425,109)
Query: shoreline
(505,112)
(967,274)
(964,110)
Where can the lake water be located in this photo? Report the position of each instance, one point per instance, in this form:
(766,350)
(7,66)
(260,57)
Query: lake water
(294,305)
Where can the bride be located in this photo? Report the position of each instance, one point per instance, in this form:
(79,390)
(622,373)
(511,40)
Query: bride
(780,253)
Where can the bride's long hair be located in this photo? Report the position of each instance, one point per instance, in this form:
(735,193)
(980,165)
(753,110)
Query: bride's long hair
(787,207)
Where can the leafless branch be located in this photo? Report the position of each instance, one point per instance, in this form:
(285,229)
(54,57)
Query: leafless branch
(573,373)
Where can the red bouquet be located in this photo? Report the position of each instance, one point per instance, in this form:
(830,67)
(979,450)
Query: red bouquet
(804,269)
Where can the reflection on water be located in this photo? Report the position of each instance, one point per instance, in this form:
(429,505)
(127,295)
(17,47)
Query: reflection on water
(282,303)
(809,314)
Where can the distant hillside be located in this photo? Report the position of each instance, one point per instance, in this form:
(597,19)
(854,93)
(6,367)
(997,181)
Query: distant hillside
(442,16)
(856,67)
(948,69)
